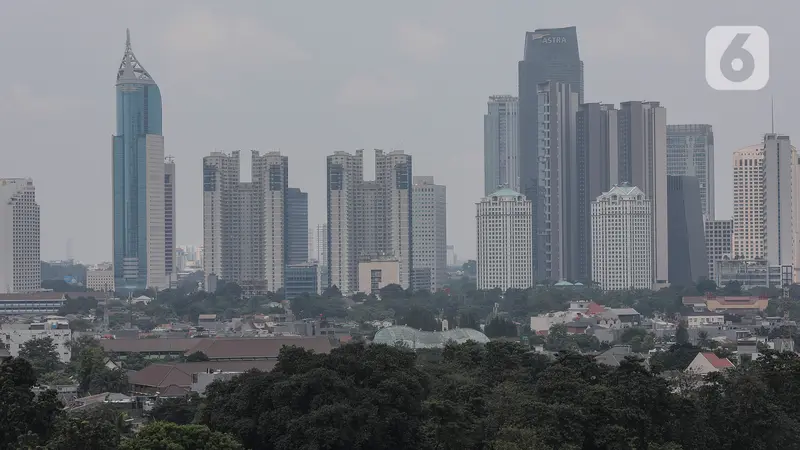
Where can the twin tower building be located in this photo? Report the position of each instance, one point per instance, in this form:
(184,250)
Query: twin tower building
(390,230)
(562,155)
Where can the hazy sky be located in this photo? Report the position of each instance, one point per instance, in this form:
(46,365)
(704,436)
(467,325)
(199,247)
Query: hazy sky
(308,78)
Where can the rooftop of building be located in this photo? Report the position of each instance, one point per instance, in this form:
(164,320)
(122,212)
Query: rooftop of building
(505,192)
(427,339)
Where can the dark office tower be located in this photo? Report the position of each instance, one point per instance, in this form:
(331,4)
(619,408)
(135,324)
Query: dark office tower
(642,162)
(550,55)
(596,155)
(687,252)
(558,186)
(297,234)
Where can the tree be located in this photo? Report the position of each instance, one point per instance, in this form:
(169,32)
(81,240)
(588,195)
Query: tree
(181,410)
(500,327)
(24,415)
(705,286)
(197,357)
(93,375)
(79,432)
(42,354)
(169,436)
(682,334)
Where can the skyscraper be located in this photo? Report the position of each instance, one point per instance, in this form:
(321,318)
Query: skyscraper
(368,219)
(394,176)
(642,162)
(321,242)
(748,203)
(719,238)
(504,241)
(345,173)
(429,235)
(170,244)
(596,164)
(138,180)
(690,152)
(621,242)
(298,232)
(245,223)
(556,222)
(687,254)
(550,55)
(20,260)
(779,160)
(273,173)
(501,143)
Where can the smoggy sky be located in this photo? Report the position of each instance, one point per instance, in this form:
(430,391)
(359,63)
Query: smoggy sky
(308,78)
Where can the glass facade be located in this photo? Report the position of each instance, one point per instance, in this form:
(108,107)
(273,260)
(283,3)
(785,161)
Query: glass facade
(138,115)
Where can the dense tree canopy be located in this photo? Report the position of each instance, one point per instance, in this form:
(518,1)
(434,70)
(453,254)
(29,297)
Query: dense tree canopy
(470,396)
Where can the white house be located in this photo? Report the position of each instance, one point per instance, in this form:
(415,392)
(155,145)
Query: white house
(707,362)
(704,319)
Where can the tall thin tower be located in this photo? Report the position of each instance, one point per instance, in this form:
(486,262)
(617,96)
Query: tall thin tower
(138,179)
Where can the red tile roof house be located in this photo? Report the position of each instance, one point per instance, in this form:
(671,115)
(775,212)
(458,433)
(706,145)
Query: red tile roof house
(227,355)
(214,348)
(175,380)
(707,362)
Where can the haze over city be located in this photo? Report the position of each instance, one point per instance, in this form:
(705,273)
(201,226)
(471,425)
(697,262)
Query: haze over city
(307,82)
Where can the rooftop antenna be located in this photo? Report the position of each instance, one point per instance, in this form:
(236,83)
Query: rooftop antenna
(127,37)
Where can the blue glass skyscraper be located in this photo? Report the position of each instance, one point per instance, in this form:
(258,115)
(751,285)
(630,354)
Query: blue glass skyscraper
(138,180)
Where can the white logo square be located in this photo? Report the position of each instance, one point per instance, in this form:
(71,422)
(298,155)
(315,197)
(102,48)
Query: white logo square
(737,58)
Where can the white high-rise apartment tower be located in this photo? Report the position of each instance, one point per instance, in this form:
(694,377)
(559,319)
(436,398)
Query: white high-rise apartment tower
(622,223)
(501,143)
(244,223)
(394,178)
(690,151)
(20,261)
(345,174)
(429,237)
(504,222)
(748,203)
(274,176)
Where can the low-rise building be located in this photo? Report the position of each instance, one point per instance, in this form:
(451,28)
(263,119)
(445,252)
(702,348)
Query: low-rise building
(15,335)
(703,319)
(36,303)
(707,362)
(377,274)
(301,279)
(100,279)
(731,304)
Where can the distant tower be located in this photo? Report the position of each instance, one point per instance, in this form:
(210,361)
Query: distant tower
(70,257)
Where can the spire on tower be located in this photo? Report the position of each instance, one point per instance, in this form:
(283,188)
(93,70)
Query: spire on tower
(130,69)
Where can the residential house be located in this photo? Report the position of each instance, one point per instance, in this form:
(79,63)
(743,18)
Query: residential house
(707,362)
(175,380)
(615,355)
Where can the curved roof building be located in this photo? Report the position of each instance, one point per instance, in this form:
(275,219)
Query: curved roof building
(138,179)
(427,339)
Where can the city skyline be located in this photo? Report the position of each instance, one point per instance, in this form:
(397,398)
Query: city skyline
(171,57)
